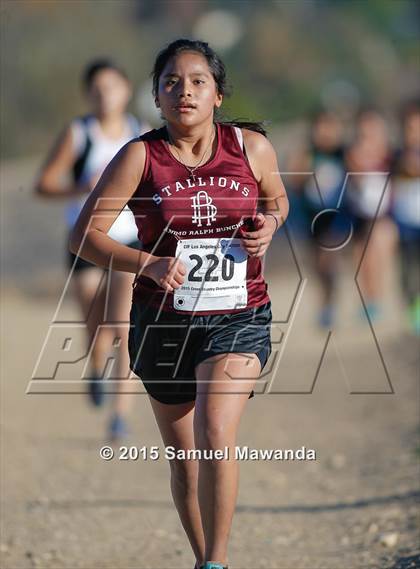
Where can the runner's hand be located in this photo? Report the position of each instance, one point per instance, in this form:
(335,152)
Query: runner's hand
(168,272)
(257,242)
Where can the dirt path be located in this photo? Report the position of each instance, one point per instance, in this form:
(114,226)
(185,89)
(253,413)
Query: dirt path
(64,507)
(354,507)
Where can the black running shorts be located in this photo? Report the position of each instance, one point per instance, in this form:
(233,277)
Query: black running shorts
(165,348)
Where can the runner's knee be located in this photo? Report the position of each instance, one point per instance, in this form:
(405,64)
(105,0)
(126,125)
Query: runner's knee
(213,434)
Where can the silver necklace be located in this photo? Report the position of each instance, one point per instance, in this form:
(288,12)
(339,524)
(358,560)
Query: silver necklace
(194,168)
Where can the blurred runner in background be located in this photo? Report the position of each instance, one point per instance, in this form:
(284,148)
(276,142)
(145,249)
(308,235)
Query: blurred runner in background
(318,178)
(368,202)
(406,209)
(81,154)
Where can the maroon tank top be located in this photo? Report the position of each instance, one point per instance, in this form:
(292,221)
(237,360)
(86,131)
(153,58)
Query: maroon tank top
(199,220)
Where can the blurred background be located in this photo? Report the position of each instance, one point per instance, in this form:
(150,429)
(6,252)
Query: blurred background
(283,58)
(337,84)
(286,62)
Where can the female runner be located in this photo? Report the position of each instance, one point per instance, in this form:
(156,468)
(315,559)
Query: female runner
(368,201)
(81,153)
(200,295)
(324,156)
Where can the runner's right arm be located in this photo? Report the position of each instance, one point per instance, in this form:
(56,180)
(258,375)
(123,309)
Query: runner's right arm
(89,238)
(58,165)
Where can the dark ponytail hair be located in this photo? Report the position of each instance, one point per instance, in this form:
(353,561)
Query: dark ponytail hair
(217,68)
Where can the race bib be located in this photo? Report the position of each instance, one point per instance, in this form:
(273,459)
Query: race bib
(216,275)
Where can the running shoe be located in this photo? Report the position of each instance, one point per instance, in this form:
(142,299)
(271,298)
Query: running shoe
(117,427)
(326,317)
(211,565)
(372,310)
(96,390)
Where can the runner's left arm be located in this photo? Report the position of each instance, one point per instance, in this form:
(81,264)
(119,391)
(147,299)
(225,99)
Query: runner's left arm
(273,204)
